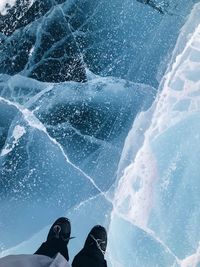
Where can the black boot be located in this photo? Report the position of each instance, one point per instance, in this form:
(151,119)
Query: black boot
(57,239)
(94,249)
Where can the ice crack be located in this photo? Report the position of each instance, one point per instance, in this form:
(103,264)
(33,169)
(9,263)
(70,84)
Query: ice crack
(35,123)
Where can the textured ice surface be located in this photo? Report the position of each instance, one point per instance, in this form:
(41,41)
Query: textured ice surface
(55,42)
(101,149)
(75,145)
(159,190)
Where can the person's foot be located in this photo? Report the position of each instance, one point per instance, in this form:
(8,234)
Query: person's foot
(97,236)
(61,229)
(57,239)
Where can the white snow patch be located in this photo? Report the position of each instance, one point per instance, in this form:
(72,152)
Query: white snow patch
(31,50)
(18,132)
(5,5)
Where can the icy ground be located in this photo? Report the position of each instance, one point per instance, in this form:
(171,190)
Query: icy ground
(111,150)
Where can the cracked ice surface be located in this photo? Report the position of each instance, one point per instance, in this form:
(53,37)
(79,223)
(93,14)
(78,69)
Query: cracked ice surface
(157,198)
(89,120)
(65,134)
(64,140)
(55,41)
(24,189)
